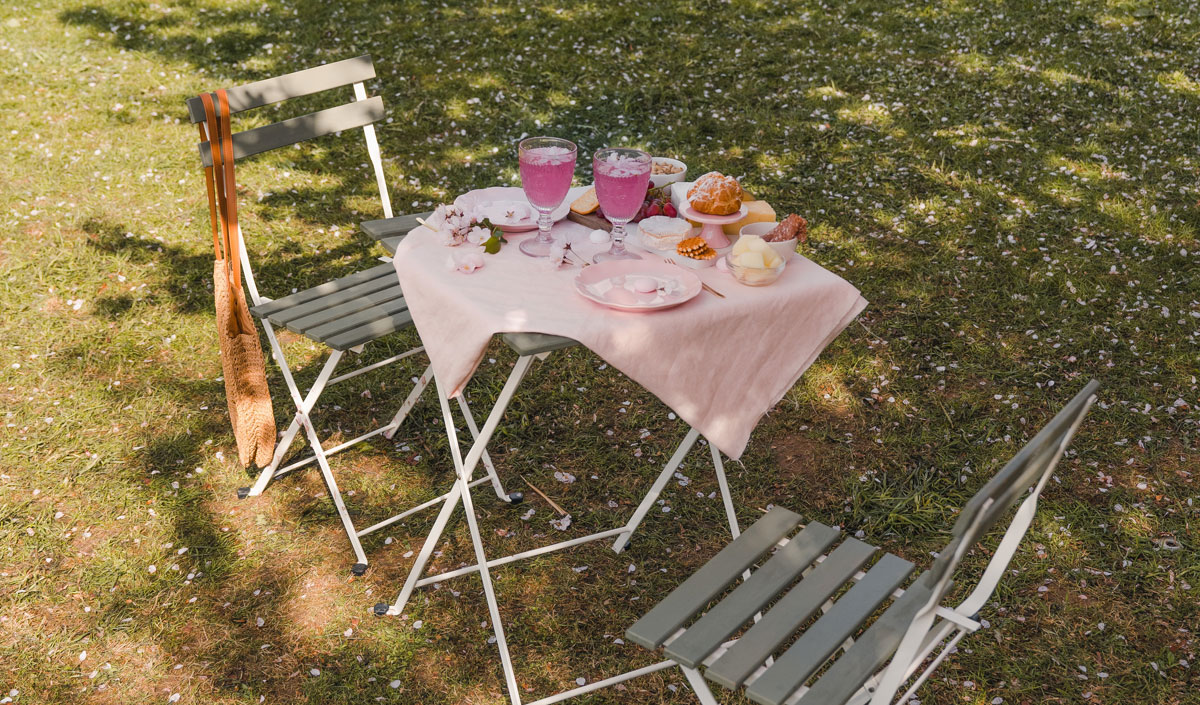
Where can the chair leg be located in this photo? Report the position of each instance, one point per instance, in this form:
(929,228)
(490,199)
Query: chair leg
(281,448)
(336,495)
(703,693)
(656,489)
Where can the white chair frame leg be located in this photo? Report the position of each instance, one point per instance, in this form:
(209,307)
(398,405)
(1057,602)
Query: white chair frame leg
(461,492)
(303,419)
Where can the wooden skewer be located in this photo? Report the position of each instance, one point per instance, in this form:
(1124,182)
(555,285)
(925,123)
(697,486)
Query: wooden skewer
(552,503)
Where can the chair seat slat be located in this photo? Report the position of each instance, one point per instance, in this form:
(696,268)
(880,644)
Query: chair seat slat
(330,287)
(697,591)
(363,317)
(392,227)
(792,610)
(371,331)
(535,343)
(820,640)
(720,622)
(353,293)
(870,651)
(292,85)
(298,129)
(343,312)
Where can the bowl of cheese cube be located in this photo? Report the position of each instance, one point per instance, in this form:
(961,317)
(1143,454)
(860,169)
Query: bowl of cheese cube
(753,261)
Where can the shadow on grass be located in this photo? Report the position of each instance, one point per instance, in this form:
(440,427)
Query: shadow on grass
(950,190)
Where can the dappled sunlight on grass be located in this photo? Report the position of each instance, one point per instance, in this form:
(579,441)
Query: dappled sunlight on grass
(1011,186)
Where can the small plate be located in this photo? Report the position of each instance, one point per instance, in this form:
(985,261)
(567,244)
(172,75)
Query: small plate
(496,201)
(634,237)
(611,284)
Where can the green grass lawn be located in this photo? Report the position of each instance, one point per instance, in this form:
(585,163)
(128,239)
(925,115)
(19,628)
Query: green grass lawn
(1012,185)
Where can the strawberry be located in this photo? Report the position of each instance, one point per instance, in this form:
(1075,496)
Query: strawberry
(669,211)
(653,210)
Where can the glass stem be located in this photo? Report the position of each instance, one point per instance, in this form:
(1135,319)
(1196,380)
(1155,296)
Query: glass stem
(544,224)
(618,238)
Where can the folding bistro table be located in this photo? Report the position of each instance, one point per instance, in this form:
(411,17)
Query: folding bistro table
(720,363)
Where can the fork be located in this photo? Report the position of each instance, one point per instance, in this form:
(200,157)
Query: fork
(706,287)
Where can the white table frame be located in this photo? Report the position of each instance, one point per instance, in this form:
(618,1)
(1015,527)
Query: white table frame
(461,493)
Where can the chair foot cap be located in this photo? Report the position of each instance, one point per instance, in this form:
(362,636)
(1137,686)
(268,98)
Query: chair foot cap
(359,568)
(243,492)
(516,497)
(381,609)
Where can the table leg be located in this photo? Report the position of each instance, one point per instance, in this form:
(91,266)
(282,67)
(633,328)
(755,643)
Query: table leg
(520,369)
(656,489)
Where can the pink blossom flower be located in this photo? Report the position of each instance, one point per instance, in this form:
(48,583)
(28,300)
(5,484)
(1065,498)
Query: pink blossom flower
(465,263)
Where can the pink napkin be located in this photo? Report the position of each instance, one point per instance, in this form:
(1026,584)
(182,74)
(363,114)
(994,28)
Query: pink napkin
(720,364)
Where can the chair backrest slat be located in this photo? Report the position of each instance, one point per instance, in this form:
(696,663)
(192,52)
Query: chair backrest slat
(292,85)
(1025,471)
(299,129)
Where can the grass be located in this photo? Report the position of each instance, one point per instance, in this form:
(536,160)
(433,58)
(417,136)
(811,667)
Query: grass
(1012,185)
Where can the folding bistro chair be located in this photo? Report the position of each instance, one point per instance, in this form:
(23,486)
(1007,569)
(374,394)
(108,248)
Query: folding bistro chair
(344,314)
(799,578)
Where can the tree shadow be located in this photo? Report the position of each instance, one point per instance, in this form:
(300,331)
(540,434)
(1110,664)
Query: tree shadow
(970,126)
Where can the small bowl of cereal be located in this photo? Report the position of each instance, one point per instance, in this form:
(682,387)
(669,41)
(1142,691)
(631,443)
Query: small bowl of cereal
(667,171)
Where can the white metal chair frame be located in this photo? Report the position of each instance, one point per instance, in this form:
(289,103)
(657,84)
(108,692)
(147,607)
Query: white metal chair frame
(330,76)
(936,629)
(461,492)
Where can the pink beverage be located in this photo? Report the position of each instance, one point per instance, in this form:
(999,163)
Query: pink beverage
(547,167)
(621,178)
(621,183)
(546,174)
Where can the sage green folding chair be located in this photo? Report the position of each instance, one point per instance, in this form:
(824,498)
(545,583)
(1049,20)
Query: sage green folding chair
(345,314)
(815,626)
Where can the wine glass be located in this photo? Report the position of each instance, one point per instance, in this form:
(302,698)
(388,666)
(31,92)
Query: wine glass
(547,166)
(621,179)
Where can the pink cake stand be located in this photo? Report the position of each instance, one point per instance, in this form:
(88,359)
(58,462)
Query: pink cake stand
(710,229)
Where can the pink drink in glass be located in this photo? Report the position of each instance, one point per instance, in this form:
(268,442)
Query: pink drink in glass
(546,174)
(621,186)
(547,166)
(622,176)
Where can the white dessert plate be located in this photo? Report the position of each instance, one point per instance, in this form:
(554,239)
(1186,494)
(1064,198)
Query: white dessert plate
(637,284)
(634,238)
(508,209)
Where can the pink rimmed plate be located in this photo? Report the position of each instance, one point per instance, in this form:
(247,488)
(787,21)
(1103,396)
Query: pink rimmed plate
(508,209)
(637,285)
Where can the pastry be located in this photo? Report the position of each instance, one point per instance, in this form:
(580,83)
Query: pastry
(696,248)
(716,194)
(663,233)
(587,203)
(793,227)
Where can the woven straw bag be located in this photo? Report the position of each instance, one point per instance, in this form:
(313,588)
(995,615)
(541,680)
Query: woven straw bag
(242,361)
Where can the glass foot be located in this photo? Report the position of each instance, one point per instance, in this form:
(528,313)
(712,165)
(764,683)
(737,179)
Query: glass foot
(615,254)
(536,247)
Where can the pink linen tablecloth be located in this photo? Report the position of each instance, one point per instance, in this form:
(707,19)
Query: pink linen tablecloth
(720,364)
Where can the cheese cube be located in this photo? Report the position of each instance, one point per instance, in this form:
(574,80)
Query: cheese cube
(753,260)
(760,212)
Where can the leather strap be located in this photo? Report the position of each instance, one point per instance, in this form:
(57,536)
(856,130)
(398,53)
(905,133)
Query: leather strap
(221,180)
(212,199)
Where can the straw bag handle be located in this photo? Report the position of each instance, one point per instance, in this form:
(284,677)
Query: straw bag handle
(221,175)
